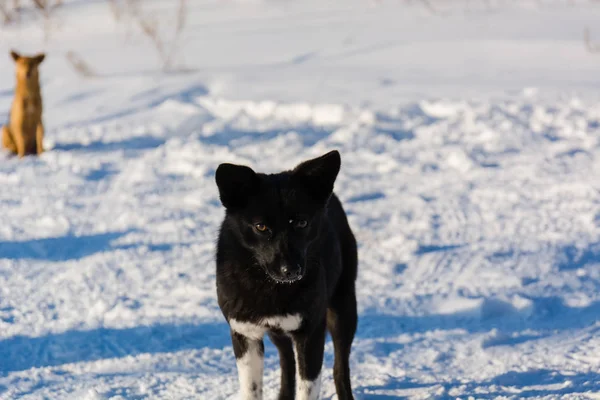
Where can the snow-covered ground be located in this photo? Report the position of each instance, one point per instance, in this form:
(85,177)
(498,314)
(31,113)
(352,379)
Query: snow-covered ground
(470,143)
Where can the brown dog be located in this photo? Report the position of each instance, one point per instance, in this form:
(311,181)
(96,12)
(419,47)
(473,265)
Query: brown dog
(25,130)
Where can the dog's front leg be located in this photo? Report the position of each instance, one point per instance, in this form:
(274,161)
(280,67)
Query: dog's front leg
(249,355)
(7,140)
(309,361)
(19,141)
(39,138)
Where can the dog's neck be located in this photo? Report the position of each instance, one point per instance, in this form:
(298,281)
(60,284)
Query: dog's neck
(29,87)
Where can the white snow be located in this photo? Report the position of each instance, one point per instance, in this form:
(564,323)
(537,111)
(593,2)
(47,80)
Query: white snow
(470,142)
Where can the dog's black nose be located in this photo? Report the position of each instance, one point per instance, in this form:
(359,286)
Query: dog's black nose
(289,272)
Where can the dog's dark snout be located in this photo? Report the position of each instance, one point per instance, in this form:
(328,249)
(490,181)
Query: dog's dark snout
(290,272)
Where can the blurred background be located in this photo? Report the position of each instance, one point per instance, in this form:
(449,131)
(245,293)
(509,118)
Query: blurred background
(470,140)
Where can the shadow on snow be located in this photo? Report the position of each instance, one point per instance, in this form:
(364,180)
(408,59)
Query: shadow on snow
(68,247)
(521,385)
(21,353)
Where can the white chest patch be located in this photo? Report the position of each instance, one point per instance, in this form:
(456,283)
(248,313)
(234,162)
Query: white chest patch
(286,323)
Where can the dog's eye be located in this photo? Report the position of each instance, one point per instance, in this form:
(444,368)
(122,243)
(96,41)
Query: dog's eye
(299,223)
(261,227)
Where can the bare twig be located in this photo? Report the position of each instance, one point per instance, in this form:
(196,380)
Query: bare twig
(8,15)
(179,26)
(46,8)
(11,10)
(427,4)
(116,10)
(431,8)
(151,28)
(80,66)
(592,47)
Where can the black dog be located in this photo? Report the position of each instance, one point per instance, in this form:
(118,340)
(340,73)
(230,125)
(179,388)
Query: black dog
(286,266)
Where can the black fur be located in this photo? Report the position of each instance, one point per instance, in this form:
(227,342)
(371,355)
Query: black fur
(292,266)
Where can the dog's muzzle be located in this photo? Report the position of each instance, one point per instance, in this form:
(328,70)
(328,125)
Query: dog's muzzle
(289,274)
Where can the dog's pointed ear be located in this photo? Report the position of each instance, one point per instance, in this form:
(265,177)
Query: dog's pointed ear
(39,58)
(236,183)
(318,175)
(15,56)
